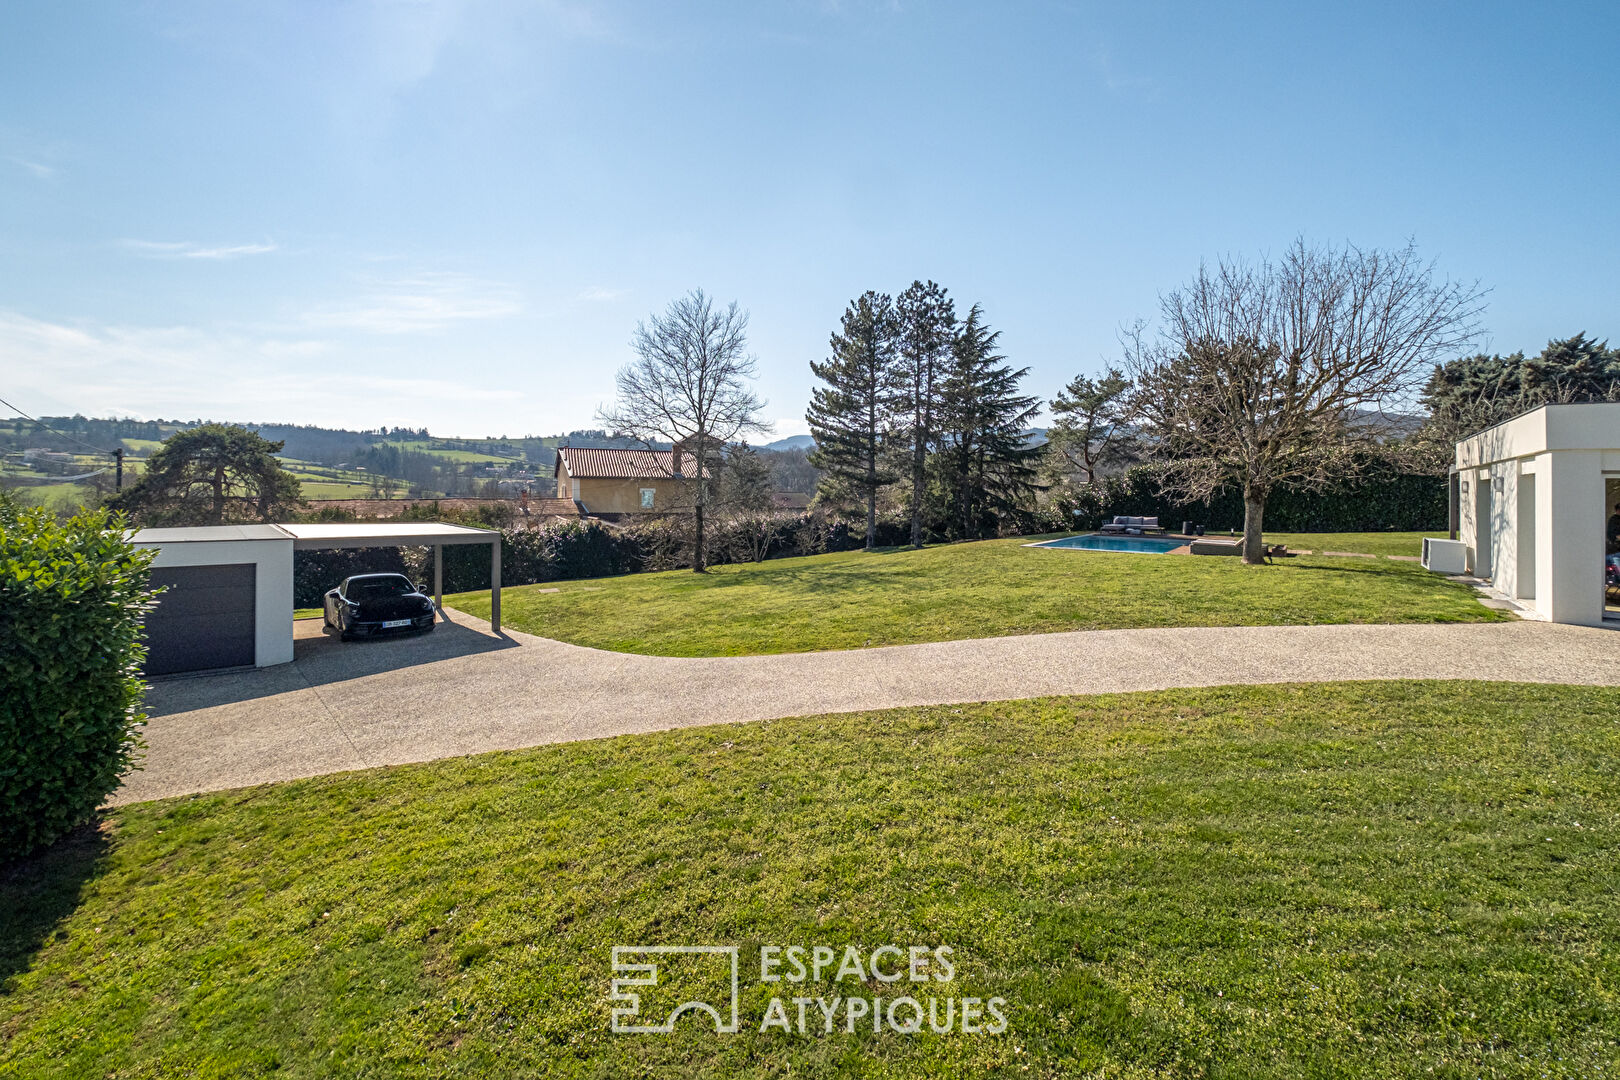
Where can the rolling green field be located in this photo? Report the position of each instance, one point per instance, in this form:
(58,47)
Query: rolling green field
(326,489)
(989,589)
(1357,880)
(51,494)
(450,453)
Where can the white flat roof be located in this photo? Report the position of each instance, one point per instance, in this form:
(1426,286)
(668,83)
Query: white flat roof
(1593,425)
(387,534)
(307,536)
(209,534)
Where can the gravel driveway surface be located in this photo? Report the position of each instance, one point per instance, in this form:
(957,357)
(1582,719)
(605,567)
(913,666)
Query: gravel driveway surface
(462,690)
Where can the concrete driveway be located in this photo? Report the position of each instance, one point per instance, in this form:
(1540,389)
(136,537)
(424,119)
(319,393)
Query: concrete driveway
(462,690)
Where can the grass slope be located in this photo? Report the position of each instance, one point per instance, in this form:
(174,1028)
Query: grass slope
(854,599)
(1382,880)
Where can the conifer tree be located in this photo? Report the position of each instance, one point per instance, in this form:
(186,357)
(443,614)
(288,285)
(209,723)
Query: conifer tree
(927,321)
(850,416)
(985,461)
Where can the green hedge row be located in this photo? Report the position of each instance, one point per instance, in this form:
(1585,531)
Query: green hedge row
(72,595)
(1385,500)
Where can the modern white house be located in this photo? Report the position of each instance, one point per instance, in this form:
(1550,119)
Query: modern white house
(228,589)
(1537,500)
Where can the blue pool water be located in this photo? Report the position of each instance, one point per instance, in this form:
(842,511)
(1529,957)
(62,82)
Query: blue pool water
(1152,545)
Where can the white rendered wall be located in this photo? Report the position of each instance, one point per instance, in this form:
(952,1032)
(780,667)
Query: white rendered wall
(1559,454)
(273,586)
(1526,532)
(1569,548)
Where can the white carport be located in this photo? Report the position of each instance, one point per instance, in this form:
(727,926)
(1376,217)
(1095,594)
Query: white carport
(434,534)
(230,587)
(1535,496)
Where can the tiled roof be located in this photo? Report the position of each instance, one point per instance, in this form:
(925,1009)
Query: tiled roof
(603,462)
(553,508)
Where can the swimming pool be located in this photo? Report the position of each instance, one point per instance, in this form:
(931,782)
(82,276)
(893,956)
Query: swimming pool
(1147,545)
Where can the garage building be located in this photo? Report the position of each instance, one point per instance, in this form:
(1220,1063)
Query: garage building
(1538,501)
(228,589)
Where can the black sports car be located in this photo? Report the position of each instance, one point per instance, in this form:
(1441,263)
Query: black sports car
(377,604)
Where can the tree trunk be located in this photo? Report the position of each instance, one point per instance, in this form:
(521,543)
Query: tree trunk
(871,516)
(1254,509)
(918,464)
(219,496)
(698,564)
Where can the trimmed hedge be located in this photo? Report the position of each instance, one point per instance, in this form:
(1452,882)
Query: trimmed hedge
(314,572)
(1385,500)
(72,596)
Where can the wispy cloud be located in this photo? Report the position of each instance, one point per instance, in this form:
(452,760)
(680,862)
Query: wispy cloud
(421,303)
(185,249)
(597,294)
(165,371)
(38,169)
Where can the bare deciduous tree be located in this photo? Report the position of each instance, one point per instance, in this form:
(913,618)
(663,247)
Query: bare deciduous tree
(688,387)
(1281,374)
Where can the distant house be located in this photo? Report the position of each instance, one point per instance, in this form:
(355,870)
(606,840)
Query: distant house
(790,500)
(39,453)
(609,482)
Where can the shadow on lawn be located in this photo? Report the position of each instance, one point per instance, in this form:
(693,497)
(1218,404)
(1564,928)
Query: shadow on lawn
(37,894)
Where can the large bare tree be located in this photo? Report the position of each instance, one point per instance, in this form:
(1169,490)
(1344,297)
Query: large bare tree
(1283,373)
(688,386)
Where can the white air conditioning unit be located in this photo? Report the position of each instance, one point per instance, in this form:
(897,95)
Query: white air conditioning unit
(1444,556)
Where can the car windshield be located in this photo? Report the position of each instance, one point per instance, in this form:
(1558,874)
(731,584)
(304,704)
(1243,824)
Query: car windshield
(377,588)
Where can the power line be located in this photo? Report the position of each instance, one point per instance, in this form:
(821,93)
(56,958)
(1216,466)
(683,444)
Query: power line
(52,430)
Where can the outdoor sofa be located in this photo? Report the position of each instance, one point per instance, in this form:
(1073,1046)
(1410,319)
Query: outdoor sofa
(1126,524)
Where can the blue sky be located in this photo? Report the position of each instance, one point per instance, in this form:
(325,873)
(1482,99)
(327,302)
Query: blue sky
(452,214)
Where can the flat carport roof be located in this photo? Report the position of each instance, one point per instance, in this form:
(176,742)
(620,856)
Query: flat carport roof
(324,536)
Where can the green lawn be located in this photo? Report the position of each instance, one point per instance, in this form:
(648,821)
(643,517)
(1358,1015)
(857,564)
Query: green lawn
(855,599)
(1378,879)
(1376,543)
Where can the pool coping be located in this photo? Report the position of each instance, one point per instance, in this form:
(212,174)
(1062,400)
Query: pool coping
(1184,549)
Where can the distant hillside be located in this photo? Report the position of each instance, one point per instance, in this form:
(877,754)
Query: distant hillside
(792,442)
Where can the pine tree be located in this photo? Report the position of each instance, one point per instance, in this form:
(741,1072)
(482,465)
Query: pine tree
(985,461)
(850,417)
(927,321)
(1089,423)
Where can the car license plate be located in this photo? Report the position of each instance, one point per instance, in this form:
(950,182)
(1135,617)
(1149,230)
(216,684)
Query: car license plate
(396,622)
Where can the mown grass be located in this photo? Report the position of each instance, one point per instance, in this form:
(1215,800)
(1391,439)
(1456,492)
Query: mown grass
(851,600)
(1364,543)
(1380,880)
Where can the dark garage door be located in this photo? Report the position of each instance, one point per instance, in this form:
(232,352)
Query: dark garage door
(203,620)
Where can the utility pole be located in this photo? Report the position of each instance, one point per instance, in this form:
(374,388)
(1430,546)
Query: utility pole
(119,454)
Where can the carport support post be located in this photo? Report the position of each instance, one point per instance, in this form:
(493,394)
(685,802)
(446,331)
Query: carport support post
(495,584)
(438,579)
